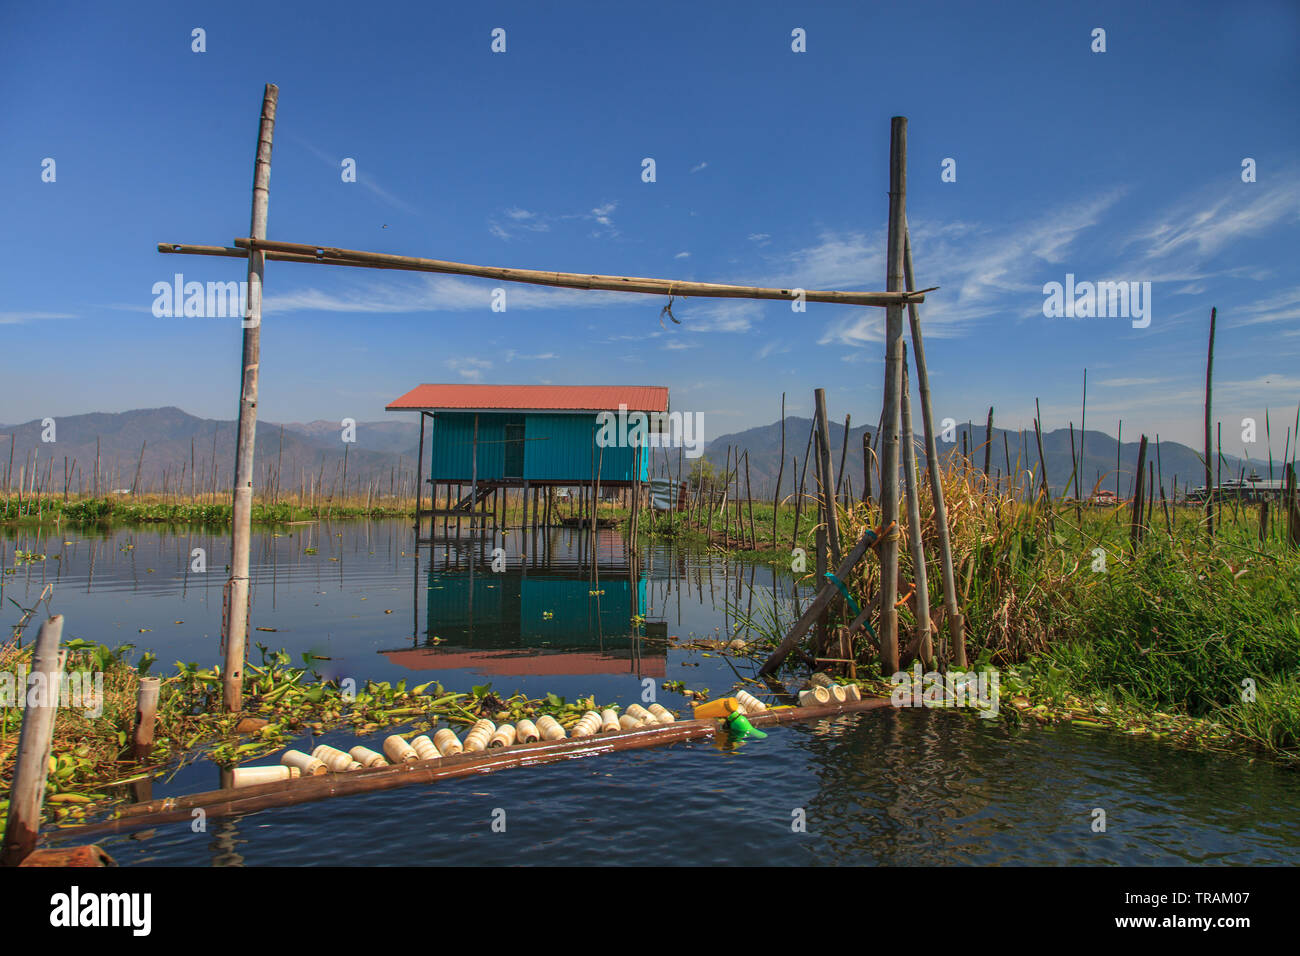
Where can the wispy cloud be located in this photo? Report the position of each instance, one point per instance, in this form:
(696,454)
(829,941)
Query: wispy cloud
(698,167)
(469,368)
(18,318)
(1201,225)
(364,178)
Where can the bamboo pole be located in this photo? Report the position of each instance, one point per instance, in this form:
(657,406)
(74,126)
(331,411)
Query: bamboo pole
(242,509)
(324,255)
(1135,524)
(1209,378)
(844,456)
(776,494)
(988,444)
(827,486)
(893,375)
(915,545)
(31,767)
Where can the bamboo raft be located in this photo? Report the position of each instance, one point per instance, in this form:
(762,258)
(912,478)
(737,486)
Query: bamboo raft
(231,802)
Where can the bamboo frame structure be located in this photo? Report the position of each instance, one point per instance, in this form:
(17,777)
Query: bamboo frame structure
(256,248)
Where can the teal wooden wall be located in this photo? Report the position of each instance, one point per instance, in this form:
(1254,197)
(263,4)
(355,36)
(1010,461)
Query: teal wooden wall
(557,447)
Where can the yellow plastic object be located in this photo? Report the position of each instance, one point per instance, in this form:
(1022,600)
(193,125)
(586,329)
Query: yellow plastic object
(717,708)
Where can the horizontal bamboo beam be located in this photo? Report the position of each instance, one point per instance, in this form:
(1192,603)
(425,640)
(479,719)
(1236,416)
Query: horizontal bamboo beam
(222,803)
(298,252)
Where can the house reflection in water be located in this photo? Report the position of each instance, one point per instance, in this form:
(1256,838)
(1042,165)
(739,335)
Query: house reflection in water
(542,615)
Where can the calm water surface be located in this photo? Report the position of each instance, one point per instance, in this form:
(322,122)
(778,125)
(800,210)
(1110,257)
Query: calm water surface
(901,787)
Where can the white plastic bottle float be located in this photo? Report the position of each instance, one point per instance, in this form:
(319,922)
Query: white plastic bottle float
(838,694)
(479,735)
(628,722)
(662,714)
(641,715)
(609,722)
(587,725)
(550,728)
(252,776)
(425,748)
(398,750)
(814,696)
(504,736)
(367,757)
(749,704)
(447,742)
(307,765)
(333,758)
(526,732)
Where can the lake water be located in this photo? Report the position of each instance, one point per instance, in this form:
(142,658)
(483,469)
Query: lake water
(887,786)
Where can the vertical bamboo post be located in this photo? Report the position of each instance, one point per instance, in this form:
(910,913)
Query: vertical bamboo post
(1135,525)
(844,456)
(242,503)
(31,767)
(893,375)
(146,710)
(827,486)
(915,545)
(1292,508)
(776,495)
(988,444)
(1209,380)
(866,468)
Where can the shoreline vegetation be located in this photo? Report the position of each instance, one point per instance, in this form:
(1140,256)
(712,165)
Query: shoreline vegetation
(1154,628)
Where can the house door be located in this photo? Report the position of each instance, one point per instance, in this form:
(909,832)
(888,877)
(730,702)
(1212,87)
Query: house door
(514,463)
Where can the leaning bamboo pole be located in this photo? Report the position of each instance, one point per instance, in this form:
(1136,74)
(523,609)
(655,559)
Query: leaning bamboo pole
(893,375)
(242,510)
(302,252)
(956,622)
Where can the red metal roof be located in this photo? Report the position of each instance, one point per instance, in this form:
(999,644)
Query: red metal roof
(595,398)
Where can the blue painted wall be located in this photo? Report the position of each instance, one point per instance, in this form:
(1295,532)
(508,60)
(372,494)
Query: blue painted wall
(557,447)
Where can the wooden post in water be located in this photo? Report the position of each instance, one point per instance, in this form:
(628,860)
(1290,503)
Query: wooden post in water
(893,377)
(32,765)
(146,711)
(242,504)
(915,545)
(1209,380)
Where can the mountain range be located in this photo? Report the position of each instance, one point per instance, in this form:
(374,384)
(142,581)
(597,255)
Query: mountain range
(162,443)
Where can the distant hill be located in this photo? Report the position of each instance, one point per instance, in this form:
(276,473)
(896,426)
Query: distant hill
(764,446)
(170,438)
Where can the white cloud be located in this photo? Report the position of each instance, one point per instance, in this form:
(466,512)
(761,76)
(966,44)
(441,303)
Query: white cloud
(468,367)
(697,168)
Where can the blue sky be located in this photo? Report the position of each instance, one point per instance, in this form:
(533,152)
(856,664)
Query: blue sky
(771,168)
